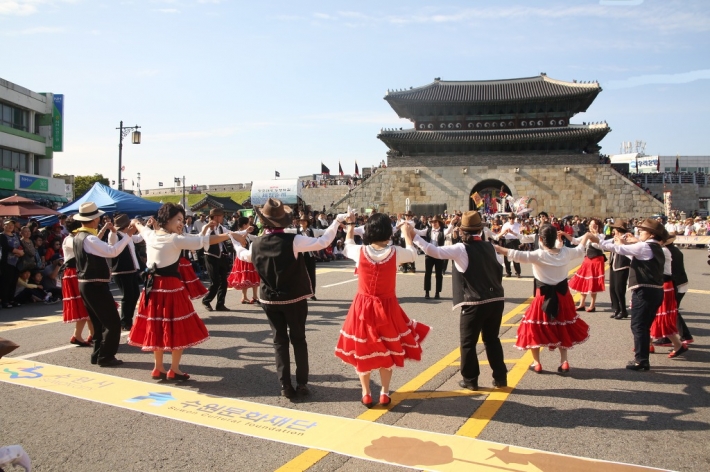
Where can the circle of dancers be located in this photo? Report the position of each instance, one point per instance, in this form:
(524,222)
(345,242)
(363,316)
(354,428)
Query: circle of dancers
(376,335)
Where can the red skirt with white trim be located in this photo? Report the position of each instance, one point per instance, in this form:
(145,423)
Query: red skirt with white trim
(378,334)
(589,277)
(243,275)
(73,308)
(538,330)
(168,322)
(665,323)
(192,282)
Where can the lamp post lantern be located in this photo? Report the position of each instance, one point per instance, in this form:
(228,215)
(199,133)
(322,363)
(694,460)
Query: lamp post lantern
(135,139)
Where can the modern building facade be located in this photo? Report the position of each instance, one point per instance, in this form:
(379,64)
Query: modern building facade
(31,131)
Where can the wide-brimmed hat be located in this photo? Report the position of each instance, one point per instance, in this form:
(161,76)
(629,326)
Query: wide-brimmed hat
(307,219)
(88,212)
(620,224)
(410,213)
(121,221)
(654,227)
(275,214)
(216,212)
(671,237)
(471,221)
(439,219)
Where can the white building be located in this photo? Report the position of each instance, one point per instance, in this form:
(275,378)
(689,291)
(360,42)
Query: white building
(31,126)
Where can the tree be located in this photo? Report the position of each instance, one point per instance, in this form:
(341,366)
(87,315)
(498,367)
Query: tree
(83,183)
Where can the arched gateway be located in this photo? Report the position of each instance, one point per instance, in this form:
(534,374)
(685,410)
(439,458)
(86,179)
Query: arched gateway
(489,190)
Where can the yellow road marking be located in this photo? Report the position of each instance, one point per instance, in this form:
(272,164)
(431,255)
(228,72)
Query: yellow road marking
(704,292)
(25,322)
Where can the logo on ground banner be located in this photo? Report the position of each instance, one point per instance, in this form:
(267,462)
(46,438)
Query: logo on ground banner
(31,373)
(158,398)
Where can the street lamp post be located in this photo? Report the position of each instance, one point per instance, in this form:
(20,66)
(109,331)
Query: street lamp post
(135,139)
(177,181)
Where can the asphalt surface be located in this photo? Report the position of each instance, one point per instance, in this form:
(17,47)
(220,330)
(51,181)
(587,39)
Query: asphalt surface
(659,418)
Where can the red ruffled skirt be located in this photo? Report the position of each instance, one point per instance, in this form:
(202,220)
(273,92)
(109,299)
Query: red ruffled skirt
(538,330)
(243,275)
(169,322)
(589,277)
(192,282)
(378,334)
(72,305)
(665,323)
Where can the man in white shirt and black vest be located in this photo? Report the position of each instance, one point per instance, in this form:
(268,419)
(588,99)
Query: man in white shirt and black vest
(434,234)
(285,287)
(218,263)
(511,240)
(94,275)
(619,273)
(125,270)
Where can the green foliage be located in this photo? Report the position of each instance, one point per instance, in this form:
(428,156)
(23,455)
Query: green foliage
(238,197)
(83,183)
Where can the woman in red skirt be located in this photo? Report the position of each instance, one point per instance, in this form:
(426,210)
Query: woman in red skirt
(377,334)
(551,320)
(193,284)
(166,319)
(589,279)
(73,309)
(244,276)
(665,324)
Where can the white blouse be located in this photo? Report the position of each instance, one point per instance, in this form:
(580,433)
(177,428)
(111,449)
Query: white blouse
(164,249)
(404,255)
(68,248)
(547,267)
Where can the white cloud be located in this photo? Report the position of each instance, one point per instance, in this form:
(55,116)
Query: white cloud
(27,7)
(682,78)
(209,1)
(36,30)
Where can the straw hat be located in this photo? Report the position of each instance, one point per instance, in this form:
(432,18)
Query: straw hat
(88,212)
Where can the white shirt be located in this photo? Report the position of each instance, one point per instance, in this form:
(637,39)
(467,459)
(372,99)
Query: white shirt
(514,230)
(68,248)
(93,245)
(300,243)
(198,225)
(434,233)
(219,229)
(136,238)
(547,267)
(670,227)
(404,255)
(640,250)
(164,249)
(456,252)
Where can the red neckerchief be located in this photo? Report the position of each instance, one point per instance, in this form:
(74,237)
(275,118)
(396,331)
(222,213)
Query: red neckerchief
(476,238)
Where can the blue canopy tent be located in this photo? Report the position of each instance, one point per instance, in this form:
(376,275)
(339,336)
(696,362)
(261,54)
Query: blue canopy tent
(109,200)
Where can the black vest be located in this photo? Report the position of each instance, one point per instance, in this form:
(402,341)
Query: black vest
(439,239)
(678,274)
(483,280)
(213,249)
(593,252)
(123,264)
(284,278)
(648,273)
(619,262)
(89,268)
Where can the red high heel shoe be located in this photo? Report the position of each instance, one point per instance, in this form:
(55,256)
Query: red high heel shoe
(367,400)
(158,375)
(73,340)
(536,367)
(385,399)
(175,376)
(651,349)
(90,339)
(563,368)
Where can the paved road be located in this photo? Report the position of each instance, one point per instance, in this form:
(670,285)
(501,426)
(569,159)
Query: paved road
(600,410)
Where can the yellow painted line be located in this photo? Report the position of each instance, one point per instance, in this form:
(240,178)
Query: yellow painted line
(510,325)
(704,292)
(26,322)
(365,440)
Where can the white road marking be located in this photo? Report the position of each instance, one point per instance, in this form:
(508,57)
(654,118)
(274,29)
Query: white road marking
(56,349)
(339,283)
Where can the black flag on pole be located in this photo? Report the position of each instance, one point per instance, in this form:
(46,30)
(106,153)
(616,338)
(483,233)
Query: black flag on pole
(340,169)
(277,174)
(160,184)
(357,171)
(324,169)
(677,165)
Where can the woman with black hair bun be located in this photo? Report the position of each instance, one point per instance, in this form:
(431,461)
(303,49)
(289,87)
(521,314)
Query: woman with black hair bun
(551,320)
(377,334)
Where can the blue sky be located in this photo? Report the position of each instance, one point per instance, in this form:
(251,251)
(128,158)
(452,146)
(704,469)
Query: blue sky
(230,91)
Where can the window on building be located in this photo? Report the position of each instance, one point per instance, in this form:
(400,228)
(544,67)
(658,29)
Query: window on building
(14,160)
(13,116)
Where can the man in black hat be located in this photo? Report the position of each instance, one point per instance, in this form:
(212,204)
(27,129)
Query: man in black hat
(125,269)
(619,273)
(94,275)
(218,262)
(477,280)
(511,240)
(285,287)
(435,235)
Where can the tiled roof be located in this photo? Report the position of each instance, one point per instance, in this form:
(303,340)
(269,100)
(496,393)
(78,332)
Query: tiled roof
(213,201)
(494,90)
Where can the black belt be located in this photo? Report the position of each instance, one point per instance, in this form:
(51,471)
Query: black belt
(551,305)
(149,276)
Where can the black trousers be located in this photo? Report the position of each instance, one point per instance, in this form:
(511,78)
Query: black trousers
(483,320)
(288,322)
(511,244)
(218,270)
(129,287)
(617,289)
(104,316)
(8,282)
(682,327)
(430,264)
(311,269)
(644,305)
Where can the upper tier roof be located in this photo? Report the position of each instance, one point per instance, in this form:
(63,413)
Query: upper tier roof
(438,94)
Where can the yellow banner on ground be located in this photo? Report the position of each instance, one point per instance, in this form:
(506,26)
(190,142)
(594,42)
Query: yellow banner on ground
(355,438)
